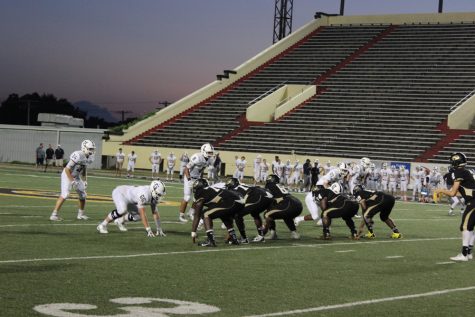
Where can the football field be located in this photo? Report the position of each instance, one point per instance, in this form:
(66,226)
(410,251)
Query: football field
(68,269)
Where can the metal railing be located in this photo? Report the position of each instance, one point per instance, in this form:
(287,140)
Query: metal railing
(461,101)
(267,93)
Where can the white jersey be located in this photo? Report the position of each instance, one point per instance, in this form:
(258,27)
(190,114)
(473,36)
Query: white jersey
(155,157)
(279,169)
(385,174)
(435,179)
(298,169)
(264,167)
(257,163)
(120,156)
(139,196)
(196,165)
(331,177)
(241,164)
(184,159)
(404,175)
(287,169)
(393,176)
(132,158)
(77,163)
(171,159)
(358,175)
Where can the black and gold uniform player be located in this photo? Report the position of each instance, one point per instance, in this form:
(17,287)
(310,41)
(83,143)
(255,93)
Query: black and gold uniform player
(284,206)
(371,203)
(334,205)
(464,184)
(211,203)
(256,200)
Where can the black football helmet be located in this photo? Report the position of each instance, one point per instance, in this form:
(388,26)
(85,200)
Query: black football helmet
(316,189)
(232,183)
(458,159)
(199,184)
(357,190)
(272,179)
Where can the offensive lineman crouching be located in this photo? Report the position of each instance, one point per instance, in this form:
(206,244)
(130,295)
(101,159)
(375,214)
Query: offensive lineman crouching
(219,203)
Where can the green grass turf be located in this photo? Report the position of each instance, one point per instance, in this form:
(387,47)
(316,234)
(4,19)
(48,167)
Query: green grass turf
(69,262)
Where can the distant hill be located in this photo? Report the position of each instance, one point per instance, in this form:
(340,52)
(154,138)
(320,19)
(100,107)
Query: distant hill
(93,110)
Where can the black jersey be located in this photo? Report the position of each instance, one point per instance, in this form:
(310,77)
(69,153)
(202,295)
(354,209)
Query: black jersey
(252,194)
(215,197)
(448,179)
(370,196)
(333,200)
(278,191)
(467,183)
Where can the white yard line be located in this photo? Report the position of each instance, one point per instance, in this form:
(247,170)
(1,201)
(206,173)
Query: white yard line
(237,249)
(366,302)
(394,257)
(344,251)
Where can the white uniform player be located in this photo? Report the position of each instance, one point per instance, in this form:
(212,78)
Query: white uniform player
(436,180)
(193,171)
(327,167)
(184,159)
(119,162)
(403,179)
(264,170)
(240,166)
(212,170)
(279,171)
(372,180)
(171,161)
(257,169)
(287,172)
(393,176)
(337,174)
(132,159)
(359,173)
(155,158)
(130,202)
(74,177)
(418,180)
(384,177)
(297,174)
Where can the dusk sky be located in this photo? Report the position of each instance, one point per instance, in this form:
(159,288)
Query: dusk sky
(130,54)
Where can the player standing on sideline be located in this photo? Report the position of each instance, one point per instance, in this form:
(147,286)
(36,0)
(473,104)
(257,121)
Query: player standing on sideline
(119,162)
(155,159)
(74,177)
(193,171)
(287,173)
(307,175)
(384,177)
(241,165)
(49,156)
(371,203)
(296,177)
(264,170)
(393,177)
(417,187)
(403,179)
(132,159)
(464,184)
(184,159)
(171,161)
(129,199)
(257,169)
(59,155)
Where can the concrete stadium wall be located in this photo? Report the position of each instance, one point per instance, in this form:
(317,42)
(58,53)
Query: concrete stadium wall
(18,143)
(463,116)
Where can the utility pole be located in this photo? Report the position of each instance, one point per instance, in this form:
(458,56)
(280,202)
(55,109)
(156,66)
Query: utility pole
(123,112)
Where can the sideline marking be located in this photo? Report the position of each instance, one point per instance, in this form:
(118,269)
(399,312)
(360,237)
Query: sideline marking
(443,263)
(99,257)
(344,251)
(366,302)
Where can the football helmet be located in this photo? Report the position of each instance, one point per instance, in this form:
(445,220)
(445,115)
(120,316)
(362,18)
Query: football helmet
(357,190)
(207,150)
(373,166)
(336,188)
(458,159)
(402,168)
(157,188)
(385,165)
(343,168)
(232,183)
(199,184)
(88,147)
(272,179)
(365,162)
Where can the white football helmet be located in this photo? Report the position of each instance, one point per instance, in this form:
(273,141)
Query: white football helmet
(336,188)
(343,168)
(373,166)
(365,162)
(385,165)
(157,188)
(402,168)
(207,150)
(88,147)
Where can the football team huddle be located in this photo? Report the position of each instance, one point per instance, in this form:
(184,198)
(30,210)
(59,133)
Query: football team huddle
(339,193)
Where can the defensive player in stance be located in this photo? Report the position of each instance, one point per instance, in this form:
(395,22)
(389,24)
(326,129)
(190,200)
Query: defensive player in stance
(193,171)
(284,206)
(256,200)
(74,177)
(371,203)
(211,203)
(130,200)
(335,205)
(464,184)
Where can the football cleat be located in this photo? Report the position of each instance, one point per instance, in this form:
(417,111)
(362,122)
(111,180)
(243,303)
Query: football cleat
(370,235)
(82,217)
(319,222)
(120,225)
(182,218)
(326,237)
(294,235)
(244,241)
(102,229)
(259,239)
(208,243)
(460,258)
(470,256)
(233,241)
(298,220)
(451,212)
(55,218)
(395,235)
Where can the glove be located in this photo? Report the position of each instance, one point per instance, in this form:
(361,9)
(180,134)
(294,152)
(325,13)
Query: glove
(160,233)
(194,236)
(149,232)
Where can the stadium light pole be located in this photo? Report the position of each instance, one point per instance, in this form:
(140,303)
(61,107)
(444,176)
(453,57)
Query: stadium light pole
(441,6)
(342,7)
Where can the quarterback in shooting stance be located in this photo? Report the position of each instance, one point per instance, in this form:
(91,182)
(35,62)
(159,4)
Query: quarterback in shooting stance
(464,184)
(193,171)
(256,200)
(211,203)
(74,177)
(130,200)
(371,203)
